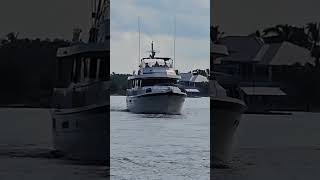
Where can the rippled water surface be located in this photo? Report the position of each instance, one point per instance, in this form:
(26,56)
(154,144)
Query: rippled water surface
(160,146)
(26,145)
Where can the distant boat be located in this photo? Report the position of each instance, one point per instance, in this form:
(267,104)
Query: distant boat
(155,89)
(193,92)
(81,96)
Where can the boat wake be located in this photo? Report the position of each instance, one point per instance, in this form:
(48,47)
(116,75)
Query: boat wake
(29,152)
(161,116)
(118,110)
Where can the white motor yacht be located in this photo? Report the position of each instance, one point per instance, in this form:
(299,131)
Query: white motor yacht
(154,88)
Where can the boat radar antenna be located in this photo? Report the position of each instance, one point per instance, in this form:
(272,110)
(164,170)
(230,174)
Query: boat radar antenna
(152,52)
(139,29)
(174,42)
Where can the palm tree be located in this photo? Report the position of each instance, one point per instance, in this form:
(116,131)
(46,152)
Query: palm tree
(12,37)
(313,30)
(281,32)
(215,33)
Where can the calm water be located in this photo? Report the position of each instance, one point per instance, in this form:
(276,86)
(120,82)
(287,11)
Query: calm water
(160,146)
(25,144)
(276,147)
(167,147)
(25,128)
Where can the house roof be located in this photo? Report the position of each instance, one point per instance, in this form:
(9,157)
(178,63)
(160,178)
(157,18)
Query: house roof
(185,76)
(198,78)
(253,49)
(263,91)
(189,77)
(219,49)
(241,48)
(285,53)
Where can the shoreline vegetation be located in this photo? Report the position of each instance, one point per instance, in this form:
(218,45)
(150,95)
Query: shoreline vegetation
(27,70)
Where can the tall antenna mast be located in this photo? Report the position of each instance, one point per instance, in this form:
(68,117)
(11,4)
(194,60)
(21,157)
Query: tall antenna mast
(174,43)
(139,29)
(93,13)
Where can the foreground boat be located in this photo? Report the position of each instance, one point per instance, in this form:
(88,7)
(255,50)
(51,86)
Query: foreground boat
(80,114)
(155,89)
(226,111)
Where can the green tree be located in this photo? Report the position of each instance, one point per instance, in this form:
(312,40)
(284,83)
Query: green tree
(313,32)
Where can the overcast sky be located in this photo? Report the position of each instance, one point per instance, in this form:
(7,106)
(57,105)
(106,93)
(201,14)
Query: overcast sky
(242,17)
(57,18)
(44,18)
(157,24)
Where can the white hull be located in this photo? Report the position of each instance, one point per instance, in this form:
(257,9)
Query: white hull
(166,103)
(225,118)
(83,133)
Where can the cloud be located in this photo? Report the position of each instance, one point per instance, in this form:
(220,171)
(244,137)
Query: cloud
(158,16)
(192,43)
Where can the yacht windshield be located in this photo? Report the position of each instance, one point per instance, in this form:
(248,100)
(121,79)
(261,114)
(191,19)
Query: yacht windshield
(145,63)
(153,82)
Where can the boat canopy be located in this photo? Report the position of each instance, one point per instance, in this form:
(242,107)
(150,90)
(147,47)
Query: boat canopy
(155,76)
(156,62)
(82,49)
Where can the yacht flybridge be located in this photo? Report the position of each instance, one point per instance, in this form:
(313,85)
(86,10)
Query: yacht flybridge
(154,88)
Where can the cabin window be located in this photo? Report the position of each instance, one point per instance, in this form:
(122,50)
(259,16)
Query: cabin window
(74,70)
(65,124)
(149,90)
(103,69)
(82,69)
(93,68)
(54,123)
(152,82)
(86,67)
(78,71)
(98,68)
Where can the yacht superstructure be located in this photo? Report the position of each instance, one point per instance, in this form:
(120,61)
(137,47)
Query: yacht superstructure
(81,96)
(154,89)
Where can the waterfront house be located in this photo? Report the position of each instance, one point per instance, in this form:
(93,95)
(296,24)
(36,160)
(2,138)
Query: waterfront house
(195,83)
(259,68)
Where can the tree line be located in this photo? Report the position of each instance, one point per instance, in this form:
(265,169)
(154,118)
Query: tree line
(27,70)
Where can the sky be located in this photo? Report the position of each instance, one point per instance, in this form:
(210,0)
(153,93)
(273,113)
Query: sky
(57,18)
(157,24)
(44,18)
(246,16)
